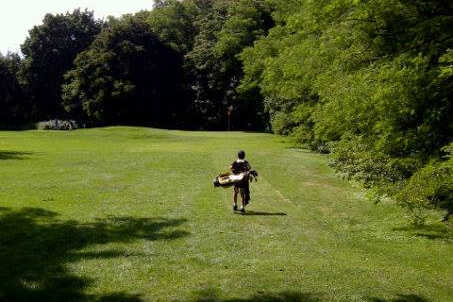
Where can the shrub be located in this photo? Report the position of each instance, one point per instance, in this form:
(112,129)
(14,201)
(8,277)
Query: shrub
(429,188)
(57,125)
(357,159)
(281,123)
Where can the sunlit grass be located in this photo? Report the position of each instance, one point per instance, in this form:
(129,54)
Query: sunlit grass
(130,214)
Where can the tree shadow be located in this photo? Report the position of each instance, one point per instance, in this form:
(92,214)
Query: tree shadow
(400,298)
(212,295)
(446,204)
(433,232)
(120,297)
(36,247)
(4,155)
(259,213)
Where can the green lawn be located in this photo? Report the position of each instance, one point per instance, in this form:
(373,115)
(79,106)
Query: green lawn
(130,214)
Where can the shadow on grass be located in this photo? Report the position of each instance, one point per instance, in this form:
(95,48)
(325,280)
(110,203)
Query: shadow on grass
(258,213)
(212,295)
(36,248)
(433,232)
(120,297)
(400,298)
(14,155)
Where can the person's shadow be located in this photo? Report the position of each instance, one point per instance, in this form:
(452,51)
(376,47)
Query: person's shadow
(259,213)
(5,155)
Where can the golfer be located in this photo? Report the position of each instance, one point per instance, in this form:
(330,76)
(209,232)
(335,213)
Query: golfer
(240,165)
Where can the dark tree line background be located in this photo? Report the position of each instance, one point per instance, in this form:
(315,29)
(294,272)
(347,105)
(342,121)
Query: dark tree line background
(368,81)
(176,66)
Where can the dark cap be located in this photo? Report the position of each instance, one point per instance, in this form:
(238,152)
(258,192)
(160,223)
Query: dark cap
(241,154)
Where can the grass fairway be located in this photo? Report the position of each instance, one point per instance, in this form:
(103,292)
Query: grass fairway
(129,214)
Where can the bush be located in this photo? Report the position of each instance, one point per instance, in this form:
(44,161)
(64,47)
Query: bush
(357,159)
(57,125)
(414,186)
(429,188)
(281,123)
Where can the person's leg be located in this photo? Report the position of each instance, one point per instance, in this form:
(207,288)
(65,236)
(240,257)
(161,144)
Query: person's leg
(243,202)
(235,198)
(246,193)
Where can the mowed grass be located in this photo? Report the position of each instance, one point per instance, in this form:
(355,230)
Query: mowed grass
(130,214)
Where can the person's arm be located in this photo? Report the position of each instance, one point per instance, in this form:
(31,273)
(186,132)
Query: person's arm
(249,167)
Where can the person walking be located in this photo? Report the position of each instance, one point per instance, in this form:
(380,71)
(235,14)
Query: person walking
(240,165)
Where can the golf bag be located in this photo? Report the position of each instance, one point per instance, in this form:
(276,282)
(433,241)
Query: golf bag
(226,180)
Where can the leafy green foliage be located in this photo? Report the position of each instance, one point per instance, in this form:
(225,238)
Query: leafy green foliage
(49,52)
(430,187)
(247,20)
(207,82)
(370,79)
(126,76)
(12,104)
(173,22)
(194,65)
(225,28)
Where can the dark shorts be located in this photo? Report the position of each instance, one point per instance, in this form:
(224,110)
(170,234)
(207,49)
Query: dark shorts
(239,189)
(244,191)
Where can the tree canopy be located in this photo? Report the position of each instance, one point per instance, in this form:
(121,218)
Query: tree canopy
(49,52)
(127,75)
(367,81)
(11,94)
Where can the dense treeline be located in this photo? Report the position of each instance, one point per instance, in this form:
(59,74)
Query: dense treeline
(12,100)
(126,76)
(175,67)
(368,81)
(371,83)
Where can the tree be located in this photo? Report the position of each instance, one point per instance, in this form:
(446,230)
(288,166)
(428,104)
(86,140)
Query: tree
(248,20)
(225,28)
(126,76)
(204,70)
(173,22)
(369,81)
(49,52)
(12,101)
